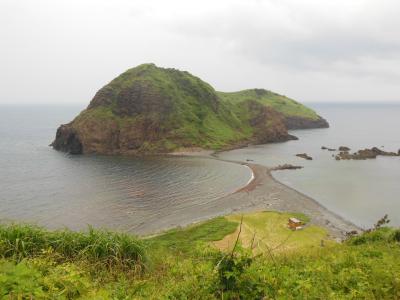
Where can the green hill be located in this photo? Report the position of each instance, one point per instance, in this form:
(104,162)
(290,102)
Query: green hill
(148,109)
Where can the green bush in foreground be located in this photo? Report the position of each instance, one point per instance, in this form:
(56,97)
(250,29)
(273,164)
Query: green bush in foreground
(98,246)
(185,266)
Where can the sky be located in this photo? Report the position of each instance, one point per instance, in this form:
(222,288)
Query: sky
(60,52)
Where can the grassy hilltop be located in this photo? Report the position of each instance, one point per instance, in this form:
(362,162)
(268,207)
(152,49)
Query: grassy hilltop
(148,109)
(288,107)
(203,261)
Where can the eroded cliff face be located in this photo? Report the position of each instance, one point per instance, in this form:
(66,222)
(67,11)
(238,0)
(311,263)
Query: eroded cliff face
(268,125)
(149,110)
(138,98)
(294,122)
(67,140)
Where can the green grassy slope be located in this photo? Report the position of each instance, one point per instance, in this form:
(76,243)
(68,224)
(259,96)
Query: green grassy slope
(184,264)
(197,117)
(189,111)
(288,107)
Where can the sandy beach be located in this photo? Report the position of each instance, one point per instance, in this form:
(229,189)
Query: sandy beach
(261,193)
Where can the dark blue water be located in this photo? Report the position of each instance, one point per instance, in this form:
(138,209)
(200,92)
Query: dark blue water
(38,184)
(361,191)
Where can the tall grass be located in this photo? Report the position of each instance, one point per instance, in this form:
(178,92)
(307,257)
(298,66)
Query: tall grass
(183,241)
(20,241)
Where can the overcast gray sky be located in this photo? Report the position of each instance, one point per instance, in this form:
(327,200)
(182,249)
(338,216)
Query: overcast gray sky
(312,50)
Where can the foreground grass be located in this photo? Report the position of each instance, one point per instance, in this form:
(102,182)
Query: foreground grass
(96,246)
(266,231)
(184,264)
(182,241)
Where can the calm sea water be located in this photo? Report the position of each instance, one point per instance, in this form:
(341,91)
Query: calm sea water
(361,191)
(38,184)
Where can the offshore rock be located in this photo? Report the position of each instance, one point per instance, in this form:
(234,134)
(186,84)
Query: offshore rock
(286,167)
(304,155)
(365,154)
(344,148)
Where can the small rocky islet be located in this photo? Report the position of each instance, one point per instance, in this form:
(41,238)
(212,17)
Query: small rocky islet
(362,154)
(304,155)
(286,167)
(365,154)
(152,110)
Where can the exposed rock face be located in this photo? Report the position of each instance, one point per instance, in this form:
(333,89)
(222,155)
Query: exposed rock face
(67,140)
(293,122)
(365,154)
(269,125)
(149,110)
(304,155)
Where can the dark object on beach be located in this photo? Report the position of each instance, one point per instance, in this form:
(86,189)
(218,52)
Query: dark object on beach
(365,154)
(304,155)
(249,159)
(326,148)
(286,167)
(344,148)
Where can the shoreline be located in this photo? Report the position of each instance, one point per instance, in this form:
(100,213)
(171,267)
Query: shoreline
(262,193)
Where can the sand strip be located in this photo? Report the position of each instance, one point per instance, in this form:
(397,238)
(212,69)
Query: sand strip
(261,193)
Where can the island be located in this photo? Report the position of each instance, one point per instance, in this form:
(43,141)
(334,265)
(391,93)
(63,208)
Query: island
(152,110)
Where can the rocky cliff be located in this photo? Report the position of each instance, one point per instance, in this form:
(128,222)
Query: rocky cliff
(149,110)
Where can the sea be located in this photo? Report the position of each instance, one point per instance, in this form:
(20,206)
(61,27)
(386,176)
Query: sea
(361,191)
(42,186)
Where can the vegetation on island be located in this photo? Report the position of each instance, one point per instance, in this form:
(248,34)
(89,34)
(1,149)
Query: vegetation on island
(288,107)
(149,109)
(189,263)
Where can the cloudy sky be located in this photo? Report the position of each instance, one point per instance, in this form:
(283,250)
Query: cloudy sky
(56,51)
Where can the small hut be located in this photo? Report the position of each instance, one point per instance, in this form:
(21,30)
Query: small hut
(295,224)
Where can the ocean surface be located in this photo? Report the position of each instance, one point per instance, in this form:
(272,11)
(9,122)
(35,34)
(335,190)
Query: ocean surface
(360,191)
(40,185)
(43,186)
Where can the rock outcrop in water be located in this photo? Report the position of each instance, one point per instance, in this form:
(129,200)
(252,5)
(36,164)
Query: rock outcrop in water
(365,154)
(304,155)
(327,148)
(286,167)
(344,148)
(149,109)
